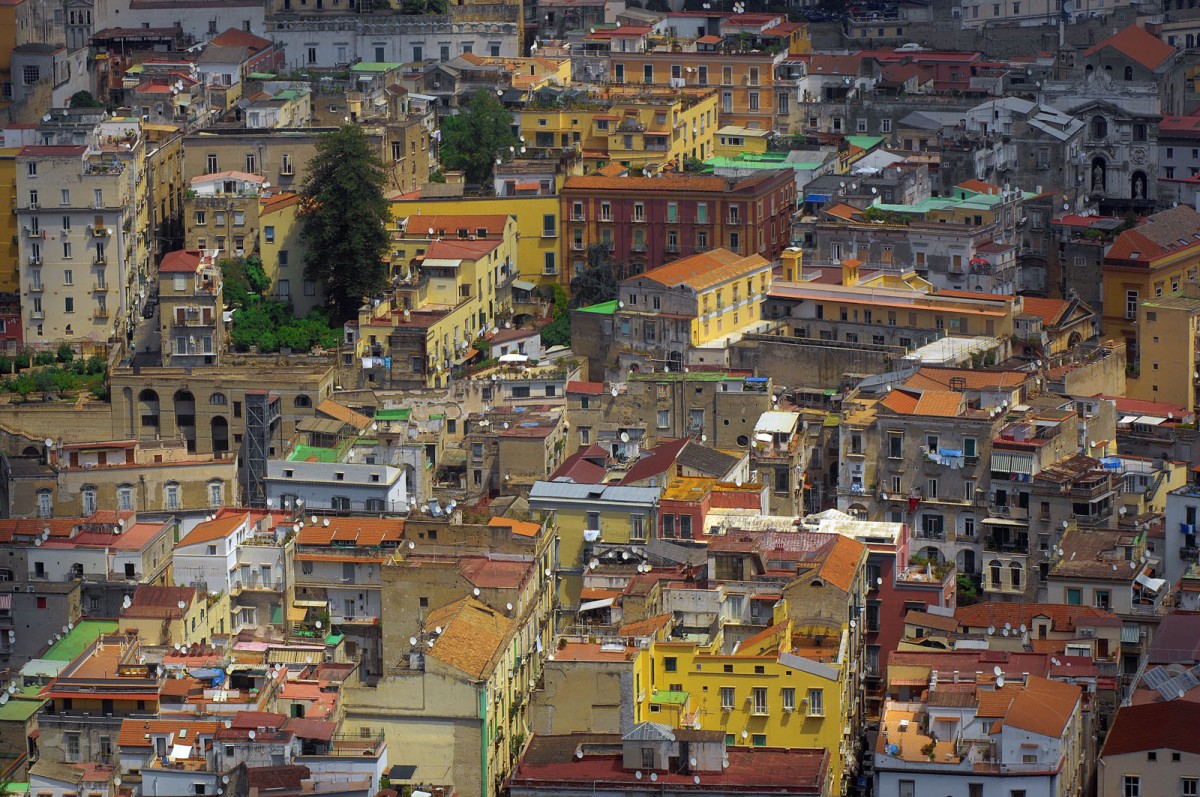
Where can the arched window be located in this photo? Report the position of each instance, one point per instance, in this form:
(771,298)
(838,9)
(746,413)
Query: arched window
(45,503)
(218,400)
(1099,127)
(89,499)
(125,497)
(1128,73)
(302,401)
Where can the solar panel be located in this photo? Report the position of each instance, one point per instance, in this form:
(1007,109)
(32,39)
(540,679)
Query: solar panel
(1156,677)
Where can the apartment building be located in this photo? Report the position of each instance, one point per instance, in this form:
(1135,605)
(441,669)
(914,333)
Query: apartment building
(1010,734)
(1150,750)
(282,250)
(10,295)
(221,212)
(699,301)
(191,313)
(673,216)
(646,129)
(81,260)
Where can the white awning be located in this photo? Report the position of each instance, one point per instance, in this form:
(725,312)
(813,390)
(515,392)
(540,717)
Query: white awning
(181,751)
(1127,419)
(1004,521)
(1152,584)
(588,606)
(1150,420)
(1005,462)
(514,358)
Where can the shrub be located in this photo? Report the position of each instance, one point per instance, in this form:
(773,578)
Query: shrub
(65,353)
(43,358)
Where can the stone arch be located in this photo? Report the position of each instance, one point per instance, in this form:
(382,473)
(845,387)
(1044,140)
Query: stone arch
(185,417)
(219,432)
(148,411)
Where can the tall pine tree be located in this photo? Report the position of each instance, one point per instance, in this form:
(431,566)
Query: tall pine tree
(345,221)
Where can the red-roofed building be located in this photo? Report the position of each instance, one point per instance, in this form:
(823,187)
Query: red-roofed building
(1151,749)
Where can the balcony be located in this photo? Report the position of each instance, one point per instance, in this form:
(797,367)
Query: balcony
(100,287)
(671,249)
(99,232)
(735,221)
(36,287)
(34,260)
(638,219)
(577,246)
(37,315)
(38,234)
(100,260)
(638,247)
(100,313)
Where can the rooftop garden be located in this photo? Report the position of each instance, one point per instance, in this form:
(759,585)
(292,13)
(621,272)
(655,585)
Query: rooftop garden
(266,323)
(50,375)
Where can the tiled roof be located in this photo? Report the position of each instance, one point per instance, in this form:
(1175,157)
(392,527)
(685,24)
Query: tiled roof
(579,469)
(1050,310)
(1043,706)
(472,635)
(1062,618)
(994,703)
(235,37)
(703,270)
(155,600)
(522,528)
(1137,45)
(278,202)
(457,249)
(344,414)
(658,460)
(181,261)
(448,224)
(901,401)
(134,731)
(927,620)
(494,573)
(842,562)
(1154,726)
(650,185)
(941,403)
(648,627)
(211,530)
(229,175)
(1163,232)
(586,388)
(972,379)
(361,531)
(51,150)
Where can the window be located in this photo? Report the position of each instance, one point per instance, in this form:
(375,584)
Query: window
(670,664)
(758,739)
(885,125)
(1074,596)
(1188,787)
(548,266)
(1102,599)
(210,164)
(89,500)
(664,419)
(727,694)
(72,739)
(637,527)
(816,702)
(788,695)
(125,498)
(31,74)
(1131,786)
(45,503)
(172,495)
(41,599)
(1131,304)
(760,700)
(216,494)
(69,304)
(548,226)
(908,788)
(268,234)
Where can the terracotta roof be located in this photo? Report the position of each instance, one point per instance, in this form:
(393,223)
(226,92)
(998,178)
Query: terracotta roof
(229,175)
(1050,310)
(972,379)
(181,261)
(344,414)
(360,531)
(522,528)
(1167,231)
(287,778)
(159,600)
(1062,618)
(457,249)
(941,403)
(650,185)
(448,224)
(586,388)
(235,37)
(278,202)
(927,620)
(51,150)
(1137,45)
(1043,706)
(842,562)
(1154,726)
(579,469)
(489,573)
(648,627)
(901,401)
(472,635)
(311,729)
(994,703)
(133,731)
(703,270)
(211,530)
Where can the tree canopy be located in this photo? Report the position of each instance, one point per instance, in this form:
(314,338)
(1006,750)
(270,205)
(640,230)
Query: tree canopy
(597,281)
(558,331)
(473,138)
(345,221)
(84,99)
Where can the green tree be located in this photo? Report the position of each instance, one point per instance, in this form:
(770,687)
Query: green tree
(558,331)
(597,281)
(472,139)
(84,99)
(345,221)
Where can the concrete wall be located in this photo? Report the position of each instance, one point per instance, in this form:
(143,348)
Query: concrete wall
(812,363)
(583,697)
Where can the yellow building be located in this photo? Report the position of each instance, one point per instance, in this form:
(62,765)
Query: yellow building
(718,292)
(1149,261)
(782,687)
(448,292)
(733,141)
(282,251)
(532,73)
(166,185)
(537,220)
(1168,326)
(165,615)
(8,219)
(638,127)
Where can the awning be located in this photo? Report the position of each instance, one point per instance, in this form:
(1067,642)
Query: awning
(181,751)
(311,604)
(818,198)
(1150,420)
(514,358)
(242,608)
(453,456)
(296,614)
(523,285)
(468,354)
(1152,584)
(6,602)
(1127,419)
(1004,462)
(1131,635)
(600,604)
(1004,521)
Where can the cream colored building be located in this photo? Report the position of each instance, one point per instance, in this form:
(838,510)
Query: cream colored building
(81,210)
(1152,750)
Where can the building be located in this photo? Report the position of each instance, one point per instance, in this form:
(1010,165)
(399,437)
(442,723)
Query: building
(652,754)
(674,216)
(1150,750)
(190,310)
(282,251)
(698,301)
(965,737)
(221,213)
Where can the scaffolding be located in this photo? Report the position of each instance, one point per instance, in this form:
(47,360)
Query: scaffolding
(262,425)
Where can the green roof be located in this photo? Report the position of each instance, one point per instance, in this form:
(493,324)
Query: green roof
(604,308)
(393,415)
(669,697)
(865,142)
(333,638)
(78,638)
(261,75)
(374,66)
(305,453)
(287,95)
(19,710)
(437,416)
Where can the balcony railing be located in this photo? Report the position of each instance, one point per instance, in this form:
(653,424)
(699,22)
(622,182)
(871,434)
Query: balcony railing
(99,232)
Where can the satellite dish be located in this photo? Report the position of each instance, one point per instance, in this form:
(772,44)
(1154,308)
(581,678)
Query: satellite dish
(252,734)
(614,392)
(49,442)
(437,629)
(508,606)
(745,734)
(1023,628)
(638,774)
(997,671)
(1000,682)
(476,592)
(624,437)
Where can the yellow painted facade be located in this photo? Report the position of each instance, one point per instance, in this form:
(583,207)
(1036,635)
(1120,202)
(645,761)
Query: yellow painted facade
(732,141)
(640,129)
(732,304)
(531,213)
(768,694)
(9,282)
(282,252)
